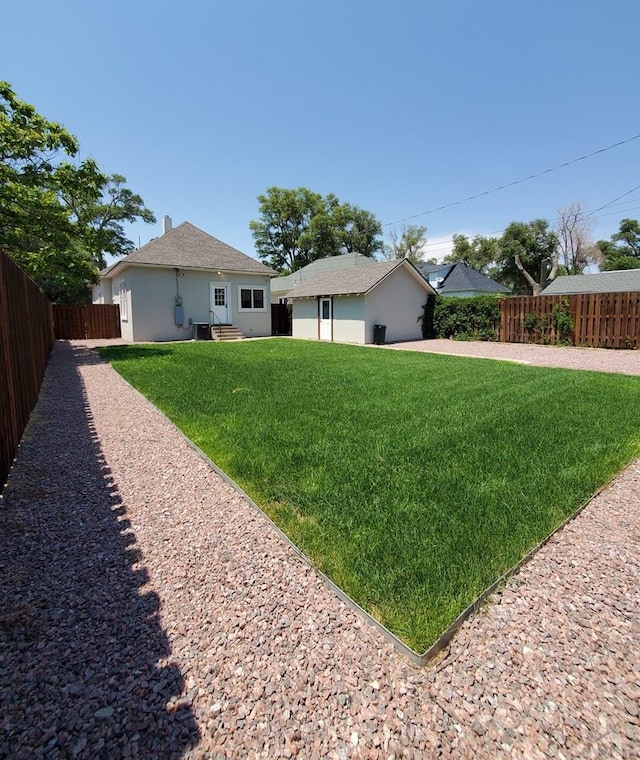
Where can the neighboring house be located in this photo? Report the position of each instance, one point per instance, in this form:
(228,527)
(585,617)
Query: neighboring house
(619,281)
(184,278)
(345,304)
(280,286)
(460,280)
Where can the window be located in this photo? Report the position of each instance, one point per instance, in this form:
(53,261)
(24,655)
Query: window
(252,299)
(124,306)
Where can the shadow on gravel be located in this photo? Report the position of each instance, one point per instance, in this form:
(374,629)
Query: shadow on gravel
(80,638)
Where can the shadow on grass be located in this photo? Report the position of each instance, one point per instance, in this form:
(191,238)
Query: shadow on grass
(87,356)
(84,662)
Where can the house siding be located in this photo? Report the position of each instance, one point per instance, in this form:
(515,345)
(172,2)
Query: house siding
(152,294)
(348,319)
(305,318)
(396,302)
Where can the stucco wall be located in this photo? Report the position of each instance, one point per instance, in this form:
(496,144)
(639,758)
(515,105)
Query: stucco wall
(102,292)
(152,300)
(305,318)
(396,302)
(348,319)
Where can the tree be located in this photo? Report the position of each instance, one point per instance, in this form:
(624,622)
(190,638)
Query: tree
(529,251)
(479,254)
(575,248)
(298,226)
(623,250)
(409,244)
(57,219)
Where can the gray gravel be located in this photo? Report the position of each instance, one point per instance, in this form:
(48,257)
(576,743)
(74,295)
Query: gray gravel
(148,611)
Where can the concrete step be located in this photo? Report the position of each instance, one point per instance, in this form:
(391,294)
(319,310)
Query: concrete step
(226,332)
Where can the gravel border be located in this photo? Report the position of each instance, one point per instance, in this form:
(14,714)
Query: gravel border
(148,611)
(562,357)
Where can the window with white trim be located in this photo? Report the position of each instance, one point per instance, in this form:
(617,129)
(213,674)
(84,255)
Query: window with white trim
(124,305)
(252,299)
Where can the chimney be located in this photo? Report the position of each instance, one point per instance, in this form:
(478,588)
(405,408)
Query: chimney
(167,224)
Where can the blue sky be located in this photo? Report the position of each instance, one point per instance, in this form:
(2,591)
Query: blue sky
(395,107)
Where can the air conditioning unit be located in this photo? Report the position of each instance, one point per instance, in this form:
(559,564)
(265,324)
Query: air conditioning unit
(202,331)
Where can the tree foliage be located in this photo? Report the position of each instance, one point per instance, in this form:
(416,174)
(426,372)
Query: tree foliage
(623,250)
(298,226)
(480,253)
(529,252)
(407,244)
(58,219)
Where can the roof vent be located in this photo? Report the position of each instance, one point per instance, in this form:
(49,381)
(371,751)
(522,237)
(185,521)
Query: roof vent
(167,224)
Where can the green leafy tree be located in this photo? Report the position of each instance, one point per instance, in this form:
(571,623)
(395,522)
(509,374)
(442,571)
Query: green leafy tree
(480,253)
(623,250)
(58,219)
(408,244)
(298,226)
(528,256)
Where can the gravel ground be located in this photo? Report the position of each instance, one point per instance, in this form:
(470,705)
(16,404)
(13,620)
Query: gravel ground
(147,611)
(597,359)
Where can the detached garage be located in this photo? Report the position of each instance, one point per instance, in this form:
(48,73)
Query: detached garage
(345,305)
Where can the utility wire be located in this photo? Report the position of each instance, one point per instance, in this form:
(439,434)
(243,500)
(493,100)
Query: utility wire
(606,205)
(441,243)
(515,182)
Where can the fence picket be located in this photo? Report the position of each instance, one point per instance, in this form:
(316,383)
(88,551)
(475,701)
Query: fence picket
(600,320)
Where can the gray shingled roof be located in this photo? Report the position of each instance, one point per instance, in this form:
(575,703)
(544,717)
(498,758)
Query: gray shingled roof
(619,281)
(342,282)
(328,264)
(463,278)
(188,247)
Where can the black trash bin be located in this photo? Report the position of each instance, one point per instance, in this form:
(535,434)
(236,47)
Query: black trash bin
(379,332)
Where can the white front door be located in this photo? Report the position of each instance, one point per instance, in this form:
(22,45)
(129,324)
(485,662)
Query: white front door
(325,319)
(219,303)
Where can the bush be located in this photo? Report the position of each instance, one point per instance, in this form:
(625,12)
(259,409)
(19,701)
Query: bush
(476,318)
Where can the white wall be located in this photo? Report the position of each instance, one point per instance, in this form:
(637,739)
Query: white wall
(152,299)
(396,302)
(348,319)
(102,292)
(305,318)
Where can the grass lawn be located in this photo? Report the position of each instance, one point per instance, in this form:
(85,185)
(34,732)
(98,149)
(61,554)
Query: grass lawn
(412,480)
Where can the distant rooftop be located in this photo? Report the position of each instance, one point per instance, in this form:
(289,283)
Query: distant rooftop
(618,281)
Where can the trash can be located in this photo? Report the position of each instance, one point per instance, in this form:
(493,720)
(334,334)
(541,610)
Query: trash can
(379,332)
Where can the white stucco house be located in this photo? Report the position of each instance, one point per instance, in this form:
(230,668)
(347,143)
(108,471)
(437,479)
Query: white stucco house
(344,305)
(179,285)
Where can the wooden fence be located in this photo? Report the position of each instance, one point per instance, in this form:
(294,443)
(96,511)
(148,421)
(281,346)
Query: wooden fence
(26,338)
(599,320)
(87,322)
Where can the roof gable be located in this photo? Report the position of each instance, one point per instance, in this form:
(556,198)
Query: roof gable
(188,247)
(354,280)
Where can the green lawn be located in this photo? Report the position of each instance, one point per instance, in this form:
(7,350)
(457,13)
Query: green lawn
(412,480)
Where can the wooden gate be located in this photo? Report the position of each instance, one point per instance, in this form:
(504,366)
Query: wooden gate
(86,322)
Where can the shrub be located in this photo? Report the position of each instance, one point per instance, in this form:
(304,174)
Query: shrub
(476,318)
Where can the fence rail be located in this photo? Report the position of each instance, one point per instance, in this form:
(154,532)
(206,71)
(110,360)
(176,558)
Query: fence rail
(600,320)
(26,338)
(87,322)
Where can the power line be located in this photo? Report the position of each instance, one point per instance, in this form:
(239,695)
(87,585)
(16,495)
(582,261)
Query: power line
(441,243)
(606,205)
(515,182)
